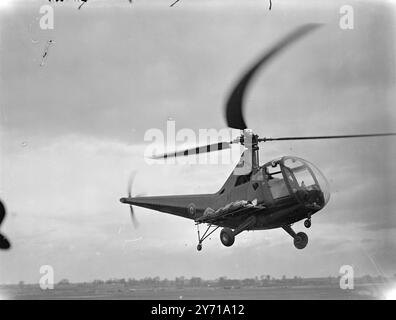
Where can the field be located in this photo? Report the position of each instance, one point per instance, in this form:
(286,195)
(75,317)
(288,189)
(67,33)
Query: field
(254,293)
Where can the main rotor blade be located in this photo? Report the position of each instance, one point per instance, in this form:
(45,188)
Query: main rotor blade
(328,137)
(2,212)
(4,243)
(234,106)
(204,149)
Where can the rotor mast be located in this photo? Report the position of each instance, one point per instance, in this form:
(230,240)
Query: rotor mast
(250,140)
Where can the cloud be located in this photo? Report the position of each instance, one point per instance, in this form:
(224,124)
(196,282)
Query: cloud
(73,131)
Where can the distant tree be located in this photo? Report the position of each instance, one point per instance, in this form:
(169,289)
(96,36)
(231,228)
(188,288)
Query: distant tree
(165,281)
(248,282)
(195,282)
(179,281)
(64,282)
(222,281)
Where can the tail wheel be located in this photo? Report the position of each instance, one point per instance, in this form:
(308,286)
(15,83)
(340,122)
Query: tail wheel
(301,240)
(307,223)
(227,237)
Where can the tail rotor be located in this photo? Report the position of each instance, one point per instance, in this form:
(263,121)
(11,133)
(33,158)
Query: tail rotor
(129,191)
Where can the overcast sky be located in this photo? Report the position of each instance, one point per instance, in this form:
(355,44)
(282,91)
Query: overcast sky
(72,131)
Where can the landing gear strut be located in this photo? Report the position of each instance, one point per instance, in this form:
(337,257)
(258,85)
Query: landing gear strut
(205,235)
(227,235)
(300,239)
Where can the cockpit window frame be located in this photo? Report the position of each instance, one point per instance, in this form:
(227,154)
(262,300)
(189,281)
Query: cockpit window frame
(318,178)
(242,179)
(269,177)
(304,166)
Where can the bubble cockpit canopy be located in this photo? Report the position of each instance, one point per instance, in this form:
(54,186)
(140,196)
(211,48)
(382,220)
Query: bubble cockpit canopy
(299,177)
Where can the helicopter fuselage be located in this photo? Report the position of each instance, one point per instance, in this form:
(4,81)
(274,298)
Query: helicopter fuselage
(279,193)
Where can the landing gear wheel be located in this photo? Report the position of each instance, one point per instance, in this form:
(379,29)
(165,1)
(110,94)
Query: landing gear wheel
(227,237)
(199,247)
(307,223)
(301,240)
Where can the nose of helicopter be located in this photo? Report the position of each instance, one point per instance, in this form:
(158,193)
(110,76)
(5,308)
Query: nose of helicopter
(322,181)
(310,180)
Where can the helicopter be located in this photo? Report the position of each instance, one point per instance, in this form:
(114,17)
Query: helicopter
(276,194)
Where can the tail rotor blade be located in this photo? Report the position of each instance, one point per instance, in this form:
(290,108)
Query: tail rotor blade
(129,191)
(130,183)
(133,217)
